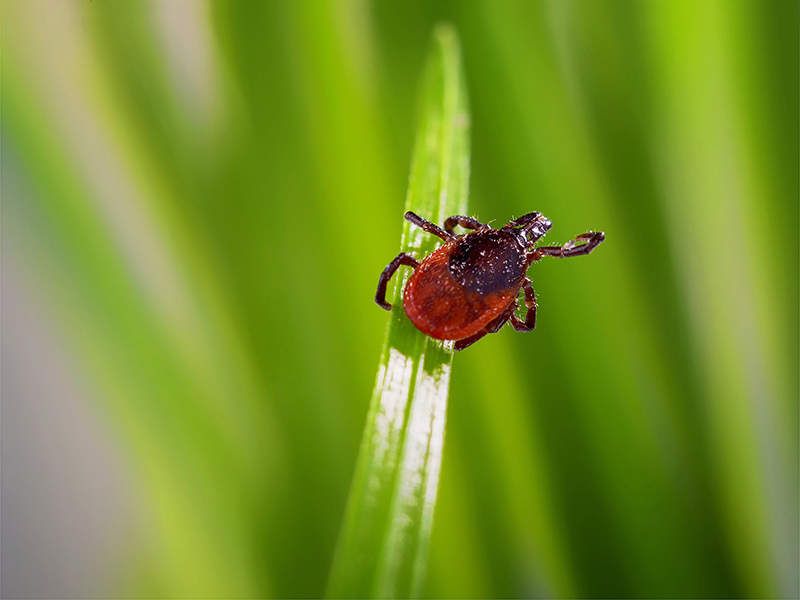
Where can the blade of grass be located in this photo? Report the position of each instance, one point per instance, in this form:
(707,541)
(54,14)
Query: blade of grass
(382,549)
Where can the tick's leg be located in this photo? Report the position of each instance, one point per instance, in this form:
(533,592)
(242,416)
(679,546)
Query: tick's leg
(428,226)
(400,259)
(524,219)
(466,342)
(465,222)
(492,327)
(590,241)
(530,303)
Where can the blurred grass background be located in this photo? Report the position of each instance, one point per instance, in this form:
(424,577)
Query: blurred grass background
(198,198)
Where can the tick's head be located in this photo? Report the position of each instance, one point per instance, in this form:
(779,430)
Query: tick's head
(529,228)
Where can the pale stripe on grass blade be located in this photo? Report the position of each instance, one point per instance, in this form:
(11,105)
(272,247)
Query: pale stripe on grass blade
(382,549)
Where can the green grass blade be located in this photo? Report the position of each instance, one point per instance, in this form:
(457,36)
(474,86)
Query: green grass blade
(383,545)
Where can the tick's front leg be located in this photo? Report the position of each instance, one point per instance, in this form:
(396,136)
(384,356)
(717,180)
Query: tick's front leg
(590,240)
(463,221)
(400,259)
(428,226)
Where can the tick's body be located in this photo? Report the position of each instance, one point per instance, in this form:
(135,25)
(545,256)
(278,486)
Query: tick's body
(469,286)
(464,285)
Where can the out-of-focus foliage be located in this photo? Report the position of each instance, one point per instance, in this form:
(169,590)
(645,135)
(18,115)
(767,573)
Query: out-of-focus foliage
(205,193)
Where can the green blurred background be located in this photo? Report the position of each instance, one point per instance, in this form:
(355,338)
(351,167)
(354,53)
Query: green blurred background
(198,198)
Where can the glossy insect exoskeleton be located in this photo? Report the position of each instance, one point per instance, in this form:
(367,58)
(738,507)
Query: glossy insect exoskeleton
(469,286)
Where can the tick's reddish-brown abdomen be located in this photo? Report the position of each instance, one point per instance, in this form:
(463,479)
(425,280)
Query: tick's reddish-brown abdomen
(441,307)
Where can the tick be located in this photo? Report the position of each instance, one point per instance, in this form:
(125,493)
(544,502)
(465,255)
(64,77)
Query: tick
(469,287)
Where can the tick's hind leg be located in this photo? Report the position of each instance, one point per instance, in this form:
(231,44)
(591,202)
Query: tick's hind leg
(530,303)
(400,259)
(465,222)
(492,327)
(590,240)
(428,226)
